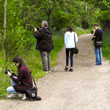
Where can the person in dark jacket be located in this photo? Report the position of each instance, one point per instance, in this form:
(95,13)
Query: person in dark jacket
(98,43)
(44,44)
(22,81)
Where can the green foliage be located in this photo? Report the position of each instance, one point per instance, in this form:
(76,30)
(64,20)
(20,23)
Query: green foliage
(1,21)
(18,41)
(106,45)
(104,14)
(81,31)
(0,41)
(60,17)
(24,15)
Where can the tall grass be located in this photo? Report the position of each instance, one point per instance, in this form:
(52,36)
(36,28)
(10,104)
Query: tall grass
(81,31)
(106,44)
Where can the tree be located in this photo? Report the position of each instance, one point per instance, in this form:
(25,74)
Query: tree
(104,17)
(4,35)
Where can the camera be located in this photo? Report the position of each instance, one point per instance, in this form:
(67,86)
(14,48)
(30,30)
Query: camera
(6,71)
(92,32)
(37,29)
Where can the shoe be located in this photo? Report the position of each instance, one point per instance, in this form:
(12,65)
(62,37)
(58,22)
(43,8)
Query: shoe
(45,71)
(66,68)
(20,95)
(71,70)
(97,64)
(38,98)
(24,97)
(49,71)
(12,96)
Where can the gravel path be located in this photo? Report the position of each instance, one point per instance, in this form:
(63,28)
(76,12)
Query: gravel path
(87,88)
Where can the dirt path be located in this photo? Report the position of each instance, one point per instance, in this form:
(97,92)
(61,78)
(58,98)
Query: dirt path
(87,88)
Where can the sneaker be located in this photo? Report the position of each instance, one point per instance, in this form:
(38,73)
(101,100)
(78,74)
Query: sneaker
(24,97)
(49,71)
(45,71)
(66,68)
(71,70)
(97,64)
(12,96)
(20,95)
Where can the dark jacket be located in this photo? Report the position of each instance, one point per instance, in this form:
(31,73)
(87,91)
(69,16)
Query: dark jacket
(44,40)
(98,36)
(23,80)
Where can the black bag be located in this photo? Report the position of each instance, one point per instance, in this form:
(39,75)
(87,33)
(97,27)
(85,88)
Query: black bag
(31,93)
(99,43)
(75,50)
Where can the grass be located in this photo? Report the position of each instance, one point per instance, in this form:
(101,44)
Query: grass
(33,61)
(81,31)
(106,45)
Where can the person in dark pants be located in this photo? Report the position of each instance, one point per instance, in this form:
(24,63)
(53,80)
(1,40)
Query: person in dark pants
(98,43)
(70,39)
(22,81)
(44,45)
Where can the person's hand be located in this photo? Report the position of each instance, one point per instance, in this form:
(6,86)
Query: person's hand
(9,74)
(35,29)
(93,37)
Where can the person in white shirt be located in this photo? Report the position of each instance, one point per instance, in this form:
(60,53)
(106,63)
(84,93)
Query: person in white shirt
(70,38)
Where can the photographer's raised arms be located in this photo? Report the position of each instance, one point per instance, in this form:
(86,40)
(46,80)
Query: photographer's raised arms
(21,82)
(44,44)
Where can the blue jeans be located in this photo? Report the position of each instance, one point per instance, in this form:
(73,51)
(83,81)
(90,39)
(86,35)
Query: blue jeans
(98,54)
(11,89)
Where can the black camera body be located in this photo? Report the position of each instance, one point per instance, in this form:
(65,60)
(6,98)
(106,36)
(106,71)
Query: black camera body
(92,32)
(6,71)
(38,29)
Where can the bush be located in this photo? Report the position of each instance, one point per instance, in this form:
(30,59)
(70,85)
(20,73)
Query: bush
(106,44)
(18,41)
(0,41)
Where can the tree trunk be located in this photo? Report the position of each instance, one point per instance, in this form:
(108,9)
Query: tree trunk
(85,24)
(4,33)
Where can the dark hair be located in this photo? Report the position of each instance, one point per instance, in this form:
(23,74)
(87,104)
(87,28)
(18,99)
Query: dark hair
(70,28)
(19,60)
(96,25)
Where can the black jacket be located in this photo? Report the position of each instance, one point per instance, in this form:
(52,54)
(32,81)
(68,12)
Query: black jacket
(98,36)
(44,40)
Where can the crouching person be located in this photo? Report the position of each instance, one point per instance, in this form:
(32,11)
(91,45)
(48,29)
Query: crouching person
(22,81)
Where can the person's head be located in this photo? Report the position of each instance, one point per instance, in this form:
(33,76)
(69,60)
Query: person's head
(44,24)
(18,62)
(70,29)
(96,26)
